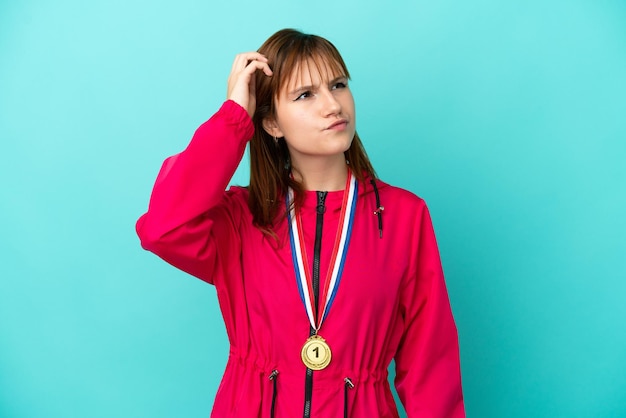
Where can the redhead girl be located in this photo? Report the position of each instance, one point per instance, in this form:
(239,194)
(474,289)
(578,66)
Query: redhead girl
(324,273)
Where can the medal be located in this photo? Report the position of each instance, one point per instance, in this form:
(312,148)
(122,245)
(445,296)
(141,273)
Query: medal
(316,354)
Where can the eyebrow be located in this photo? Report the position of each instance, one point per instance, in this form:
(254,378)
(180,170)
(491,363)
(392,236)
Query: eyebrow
(305,88)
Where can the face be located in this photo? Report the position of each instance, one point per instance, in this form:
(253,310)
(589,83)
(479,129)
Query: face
(315,114)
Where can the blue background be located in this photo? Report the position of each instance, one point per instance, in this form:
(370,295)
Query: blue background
(507,117)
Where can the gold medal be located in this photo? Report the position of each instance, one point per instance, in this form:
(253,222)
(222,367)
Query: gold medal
(316,353)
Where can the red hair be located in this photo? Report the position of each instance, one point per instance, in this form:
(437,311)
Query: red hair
(287,51)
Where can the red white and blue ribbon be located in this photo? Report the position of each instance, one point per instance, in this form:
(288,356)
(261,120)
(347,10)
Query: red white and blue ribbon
(338,255)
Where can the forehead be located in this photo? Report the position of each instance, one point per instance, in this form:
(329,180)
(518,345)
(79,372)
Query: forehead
(311,71)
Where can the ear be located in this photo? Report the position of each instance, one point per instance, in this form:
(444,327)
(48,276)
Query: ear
(272,128)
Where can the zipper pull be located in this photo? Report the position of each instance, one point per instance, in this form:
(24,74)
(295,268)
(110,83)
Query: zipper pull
(321,202)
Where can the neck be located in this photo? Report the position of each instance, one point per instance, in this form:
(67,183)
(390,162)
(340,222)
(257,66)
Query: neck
(323,174)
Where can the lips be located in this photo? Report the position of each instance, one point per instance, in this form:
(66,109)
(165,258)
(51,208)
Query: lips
(340,124)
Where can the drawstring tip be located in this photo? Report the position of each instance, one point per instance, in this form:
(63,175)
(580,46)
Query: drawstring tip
(379,210)
(273,378)
(348,385)
(379,213)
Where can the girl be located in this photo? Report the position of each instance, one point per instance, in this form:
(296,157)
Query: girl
(324,274)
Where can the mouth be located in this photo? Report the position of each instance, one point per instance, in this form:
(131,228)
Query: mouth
(338,125)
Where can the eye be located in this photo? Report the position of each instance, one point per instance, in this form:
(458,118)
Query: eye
(339,85)
(304,95)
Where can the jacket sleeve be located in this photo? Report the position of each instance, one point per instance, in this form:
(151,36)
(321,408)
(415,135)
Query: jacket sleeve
(428,377)
(189,211)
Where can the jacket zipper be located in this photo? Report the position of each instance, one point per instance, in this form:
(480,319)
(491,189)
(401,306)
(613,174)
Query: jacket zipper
(317,249)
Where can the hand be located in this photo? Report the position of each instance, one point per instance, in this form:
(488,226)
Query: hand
(241,81)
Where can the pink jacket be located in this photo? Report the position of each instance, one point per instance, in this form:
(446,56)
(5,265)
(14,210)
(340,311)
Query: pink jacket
(392,301)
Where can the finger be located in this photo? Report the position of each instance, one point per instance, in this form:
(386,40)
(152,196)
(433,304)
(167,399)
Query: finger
(253,55)
(238,63)
(245,76)
(256,65)
(241,60)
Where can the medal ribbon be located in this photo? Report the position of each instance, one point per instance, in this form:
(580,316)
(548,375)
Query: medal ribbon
(338,256)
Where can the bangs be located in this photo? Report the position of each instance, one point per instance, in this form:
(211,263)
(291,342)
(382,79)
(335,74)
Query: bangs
(294,57)
(305,54)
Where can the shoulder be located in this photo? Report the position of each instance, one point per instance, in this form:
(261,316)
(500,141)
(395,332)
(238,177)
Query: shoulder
(395,196)
(230,212)
(232,204)
(237,195)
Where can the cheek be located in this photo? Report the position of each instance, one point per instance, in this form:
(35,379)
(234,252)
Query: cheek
(347,102)
(295,120)
(293,127)
(285,120)
(351,101)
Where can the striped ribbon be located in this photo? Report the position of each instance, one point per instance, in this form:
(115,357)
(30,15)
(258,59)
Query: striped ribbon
(338,257)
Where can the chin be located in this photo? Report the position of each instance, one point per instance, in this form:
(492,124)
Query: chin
(345,141)
(340,148)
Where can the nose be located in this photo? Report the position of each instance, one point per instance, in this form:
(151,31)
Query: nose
(330,104)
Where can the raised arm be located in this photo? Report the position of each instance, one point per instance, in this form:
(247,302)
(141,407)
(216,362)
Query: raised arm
(189,210)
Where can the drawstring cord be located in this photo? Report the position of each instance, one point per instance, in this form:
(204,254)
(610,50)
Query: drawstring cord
(273,377)
(348,385)
(379,209)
